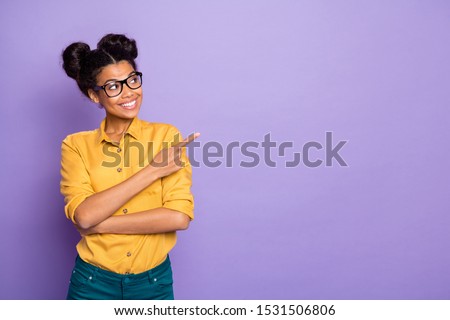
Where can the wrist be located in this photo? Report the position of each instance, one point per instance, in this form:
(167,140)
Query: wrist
(152,173)
(94,229)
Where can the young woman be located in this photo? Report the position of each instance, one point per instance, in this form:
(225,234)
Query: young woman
(126,185)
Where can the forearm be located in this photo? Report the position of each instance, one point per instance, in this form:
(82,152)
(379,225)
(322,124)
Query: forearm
(102,205)
(158,220)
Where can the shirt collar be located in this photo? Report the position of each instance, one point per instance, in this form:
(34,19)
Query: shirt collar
(134,130)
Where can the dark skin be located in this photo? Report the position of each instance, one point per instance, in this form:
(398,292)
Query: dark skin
(95,214)
(158,220)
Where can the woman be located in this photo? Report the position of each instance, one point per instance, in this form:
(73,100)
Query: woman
(126,184)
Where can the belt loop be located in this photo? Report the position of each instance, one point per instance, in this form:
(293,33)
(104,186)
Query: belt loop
(94,274)
(149,276)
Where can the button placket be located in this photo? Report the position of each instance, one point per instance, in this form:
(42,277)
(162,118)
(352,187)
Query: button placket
(119,150)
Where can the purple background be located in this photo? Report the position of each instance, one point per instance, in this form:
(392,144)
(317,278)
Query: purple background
(375,73)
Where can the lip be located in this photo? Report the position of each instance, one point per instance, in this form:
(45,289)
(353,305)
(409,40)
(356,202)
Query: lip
(129,105)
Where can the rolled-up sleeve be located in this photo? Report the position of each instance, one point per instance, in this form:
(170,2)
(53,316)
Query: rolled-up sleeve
(75,181)
(176,188)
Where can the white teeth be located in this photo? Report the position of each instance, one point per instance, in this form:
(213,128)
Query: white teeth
(128,105)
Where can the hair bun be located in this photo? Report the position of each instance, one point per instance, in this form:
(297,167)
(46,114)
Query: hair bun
(72,57)
(84,65)
(118,45)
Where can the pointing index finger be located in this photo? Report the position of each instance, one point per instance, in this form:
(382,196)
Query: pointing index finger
(187,140)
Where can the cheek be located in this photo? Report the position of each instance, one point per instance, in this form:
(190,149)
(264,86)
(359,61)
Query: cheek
(139,95)
(109,103)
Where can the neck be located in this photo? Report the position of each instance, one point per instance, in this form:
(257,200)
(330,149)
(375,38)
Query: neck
(116,125)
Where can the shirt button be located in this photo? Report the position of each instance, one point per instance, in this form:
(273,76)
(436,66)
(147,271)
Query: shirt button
(125,211)
(119,169)
(128,254)
(119,150)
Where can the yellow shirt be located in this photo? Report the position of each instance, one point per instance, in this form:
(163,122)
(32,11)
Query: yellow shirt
(91,162)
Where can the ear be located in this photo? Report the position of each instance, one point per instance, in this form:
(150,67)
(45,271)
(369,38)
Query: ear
(93,96)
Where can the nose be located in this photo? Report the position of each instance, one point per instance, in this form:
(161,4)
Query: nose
(126,91)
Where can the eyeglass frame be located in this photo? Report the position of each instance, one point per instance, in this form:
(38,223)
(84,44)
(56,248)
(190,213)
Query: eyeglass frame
(122,82)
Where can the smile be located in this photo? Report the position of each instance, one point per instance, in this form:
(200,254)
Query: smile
(128,105)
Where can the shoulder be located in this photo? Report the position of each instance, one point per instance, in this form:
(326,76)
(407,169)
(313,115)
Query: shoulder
(157,126)
(164,131)
(159,132)
(82,137)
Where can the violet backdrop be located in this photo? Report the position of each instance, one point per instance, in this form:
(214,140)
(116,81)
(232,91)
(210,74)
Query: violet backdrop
(375,73)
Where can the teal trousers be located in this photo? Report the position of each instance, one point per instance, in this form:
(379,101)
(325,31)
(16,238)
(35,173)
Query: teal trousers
(89,282)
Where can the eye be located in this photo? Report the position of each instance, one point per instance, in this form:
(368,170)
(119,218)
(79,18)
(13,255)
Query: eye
(134,79)
(112,86)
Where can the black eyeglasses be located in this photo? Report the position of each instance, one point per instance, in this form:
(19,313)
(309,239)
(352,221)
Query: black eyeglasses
(114,88)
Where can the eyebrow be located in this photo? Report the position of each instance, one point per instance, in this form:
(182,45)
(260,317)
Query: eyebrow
(114,80)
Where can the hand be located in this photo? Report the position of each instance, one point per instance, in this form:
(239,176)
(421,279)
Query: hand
(168,160)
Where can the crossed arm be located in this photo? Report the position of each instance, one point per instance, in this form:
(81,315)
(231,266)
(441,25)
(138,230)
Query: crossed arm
(94,214)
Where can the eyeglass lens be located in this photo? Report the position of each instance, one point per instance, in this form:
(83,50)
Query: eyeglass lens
(113,89)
